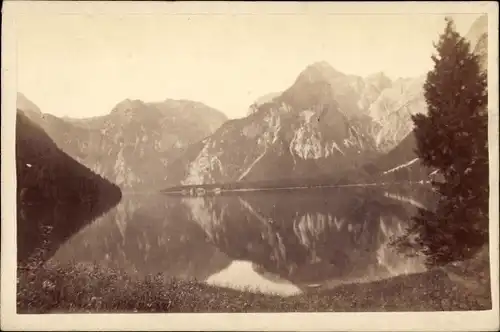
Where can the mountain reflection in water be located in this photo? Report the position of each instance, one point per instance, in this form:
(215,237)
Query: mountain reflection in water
(274,241)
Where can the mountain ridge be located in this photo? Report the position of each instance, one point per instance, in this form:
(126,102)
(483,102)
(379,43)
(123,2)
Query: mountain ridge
(317,125)
(131,145)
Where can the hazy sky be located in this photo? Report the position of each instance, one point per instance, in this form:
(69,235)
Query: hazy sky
(82,65)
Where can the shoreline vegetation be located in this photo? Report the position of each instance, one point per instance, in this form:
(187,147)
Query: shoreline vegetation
(80,288)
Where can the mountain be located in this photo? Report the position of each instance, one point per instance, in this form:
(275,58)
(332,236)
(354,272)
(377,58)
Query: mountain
(28,108)
(478,38)
(326,122)
(50,180)
(372,86)
(384,105)
(132,145)
(45,173)
(391,112)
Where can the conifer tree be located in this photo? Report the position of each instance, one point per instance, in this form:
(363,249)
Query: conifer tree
(453,138)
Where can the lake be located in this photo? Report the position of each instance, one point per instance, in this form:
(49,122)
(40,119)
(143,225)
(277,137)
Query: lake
(282,242)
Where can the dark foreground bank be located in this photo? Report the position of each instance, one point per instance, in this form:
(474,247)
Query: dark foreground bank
(82,288)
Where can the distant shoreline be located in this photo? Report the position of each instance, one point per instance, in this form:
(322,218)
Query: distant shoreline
(210,188)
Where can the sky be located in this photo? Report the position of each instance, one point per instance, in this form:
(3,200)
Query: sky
(82,65)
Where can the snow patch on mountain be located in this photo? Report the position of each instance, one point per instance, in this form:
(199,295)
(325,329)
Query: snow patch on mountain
(434,172)
(401,166)
(245,173)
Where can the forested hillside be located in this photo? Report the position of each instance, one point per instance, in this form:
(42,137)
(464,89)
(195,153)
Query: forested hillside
(55,193)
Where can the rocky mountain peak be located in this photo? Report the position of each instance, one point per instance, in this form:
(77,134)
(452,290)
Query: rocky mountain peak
(477,29)
(128,105)
(380,80)
(29,109)
(319,71)
(261,101)
(26,105)
(478,38)
(176,103)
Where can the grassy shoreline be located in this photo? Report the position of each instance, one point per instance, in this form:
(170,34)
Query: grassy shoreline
(84,288)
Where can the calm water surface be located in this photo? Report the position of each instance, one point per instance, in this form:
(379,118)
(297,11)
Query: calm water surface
(285,242)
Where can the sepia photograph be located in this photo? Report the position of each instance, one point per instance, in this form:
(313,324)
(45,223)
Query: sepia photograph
(251,158)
